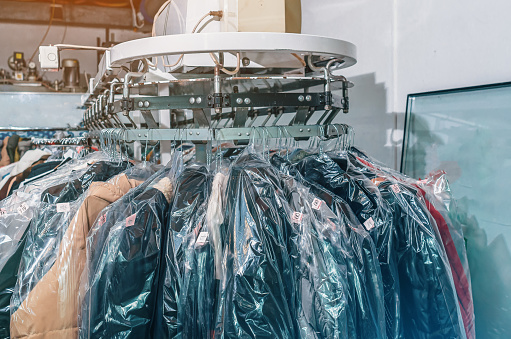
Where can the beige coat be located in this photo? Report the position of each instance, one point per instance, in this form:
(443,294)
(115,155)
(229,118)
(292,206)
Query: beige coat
(51,308)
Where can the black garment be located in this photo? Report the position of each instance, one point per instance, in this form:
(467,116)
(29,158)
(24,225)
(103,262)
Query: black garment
(186,217)
(258,290)
(125,254)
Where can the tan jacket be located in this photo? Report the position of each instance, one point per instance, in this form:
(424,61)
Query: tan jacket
(51,308)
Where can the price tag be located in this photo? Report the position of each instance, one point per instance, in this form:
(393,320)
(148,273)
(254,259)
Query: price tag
(203,237)
(23,208)
(102,220)
(130,221)
(395,188)
(63,207)
(297,217)
(369,224)
(316,203)
(2,212)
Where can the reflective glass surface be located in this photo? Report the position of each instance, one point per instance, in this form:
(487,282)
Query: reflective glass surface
(467,133)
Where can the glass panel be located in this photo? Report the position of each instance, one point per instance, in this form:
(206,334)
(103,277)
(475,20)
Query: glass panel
(467,133)
(24,109)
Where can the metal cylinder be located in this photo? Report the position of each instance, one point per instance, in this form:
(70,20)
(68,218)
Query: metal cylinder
(71,73)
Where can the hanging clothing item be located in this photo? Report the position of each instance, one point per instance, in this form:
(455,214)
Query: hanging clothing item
(320,257)
(430,319)
(186,216)
(258,296)
(124,251)
(28,159)
(50,307)
(434,192)
(17,212)
(367,301)
(422,255)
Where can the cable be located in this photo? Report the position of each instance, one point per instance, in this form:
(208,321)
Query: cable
(45,34)
(134,16)
(226,71)
(95,48)
(165,4)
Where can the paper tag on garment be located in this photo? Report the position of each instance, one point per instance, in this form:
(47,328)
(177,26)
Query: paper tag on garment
(316,203)
(297,217)
(63,207)
(102,220)
(23,208)
(130,221)
(2,212)
(395,188)
(369,224)
(203,237)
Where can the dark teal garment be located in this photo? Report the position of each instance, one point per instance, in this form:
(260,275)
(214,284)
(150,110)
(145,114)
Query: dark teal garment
(413,252)
(258,291)
(319,254)
(366,311)
(125,256)
(181,286)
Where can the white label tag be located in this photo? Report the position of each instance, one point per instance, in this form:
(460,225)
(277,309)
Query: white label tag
(2,212)
(297,217)
(395,188)
(369,224)
(63,207)
(203,237)
(23,208)
(102,220)
(316,203)
(130,221)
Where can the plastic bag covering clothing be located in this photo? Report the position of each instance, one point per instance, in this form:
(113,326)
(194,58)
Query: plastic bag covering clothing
(198,288)
(366,299)
(258,288)
(14,227)
(50,223)
(49,309)
(13,232)
(438,202)
(187,217)
(124,258)
(436,196)
(320,259)
(416,272)
(423,265)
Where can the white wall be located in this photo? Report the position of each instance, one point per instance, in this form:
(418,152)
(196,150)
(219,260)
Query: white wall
(367,24)
(411,46)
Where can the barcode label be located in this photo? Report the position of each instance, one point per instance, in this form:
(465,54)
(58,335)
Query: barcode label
(297,217)
(130,221)
(23,208)
(369,224)
(63,208)
(316,203)
(203,237)
(395,188)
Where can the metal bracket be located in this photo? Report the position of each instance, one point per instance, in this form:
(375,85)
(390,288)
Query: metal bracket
(149,119)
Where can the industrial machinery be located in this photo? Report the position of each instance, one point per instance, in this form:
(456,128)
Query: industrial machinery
(213,80)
